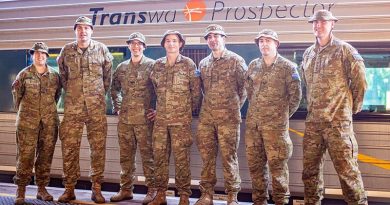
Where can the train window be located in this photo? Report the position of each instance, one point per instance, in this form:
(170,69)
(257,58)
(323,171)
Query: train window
(377,60)
(196,54)
(377,98)
(119,54)
(51,61)
(12,62)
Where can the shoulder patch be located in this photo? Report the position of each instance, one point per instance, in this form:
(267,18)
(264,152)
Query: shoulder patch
(295,76)
(197,73)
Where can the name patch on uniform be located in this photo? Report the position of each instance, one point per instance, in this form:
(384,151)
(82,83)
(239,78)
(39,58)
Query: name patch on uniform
(252,76)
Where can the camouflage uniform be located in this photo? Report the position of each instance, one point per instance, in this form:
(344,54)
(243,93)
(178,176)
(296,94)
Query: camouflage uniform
(85,77)
(277,89)
(335,83)
(35,96)
(132,94)
(220,118)
(178,94)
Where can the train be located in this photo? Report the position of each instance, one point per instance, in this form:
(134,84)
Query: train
(364,24)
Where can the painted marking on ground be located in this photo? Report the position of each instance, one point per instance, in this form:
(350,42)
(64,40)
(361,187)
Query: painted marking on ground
(384,164)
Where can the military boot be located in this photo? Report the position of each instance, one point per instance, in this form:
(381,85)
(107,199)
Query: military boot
(281,201)
(160,199)
(123,194)
(184,199)
(149,196)
(205,199)
(260,202)
(97,196)
(232,199)
(42,194)
(67,196)
(20,195)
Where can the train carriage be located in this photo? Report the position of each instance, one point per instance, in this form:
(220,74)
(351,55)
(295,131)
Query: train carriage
(365,24)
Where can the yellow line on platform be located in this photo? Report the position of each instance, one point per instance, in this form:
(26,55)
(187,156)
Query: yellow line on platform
(384,164)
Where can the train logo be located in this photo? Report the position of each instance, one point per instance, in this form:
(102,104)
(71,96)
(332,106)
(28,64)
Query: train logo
(194,10)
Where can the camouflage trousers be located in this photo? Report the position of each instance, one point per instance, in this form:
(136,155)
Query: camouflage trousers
(268,150)
(227,136)
(35,148)
(71,130)
(129,136)
(338,138)
(179,139)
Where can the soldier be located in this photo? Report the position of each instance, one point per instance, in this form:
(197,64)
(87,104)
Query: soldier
(177,85)
(334,75)
(222,74)
(132,95)
(273,84)
(36,91)
(85,70)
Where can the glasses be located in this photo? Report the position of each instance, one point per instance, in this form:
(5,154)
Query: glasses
(133,43)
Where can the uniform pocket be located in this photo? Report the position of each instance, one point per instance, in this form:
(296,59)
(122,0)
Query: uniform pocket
(180,82)
(32,86)
(95,67)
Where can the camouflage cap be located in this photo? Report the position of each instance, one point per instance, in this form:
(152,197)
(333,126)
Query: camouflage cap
(137,36)
(169,32)
(214,28)
(268,33)
(41,47)
(323,15)
(83,20)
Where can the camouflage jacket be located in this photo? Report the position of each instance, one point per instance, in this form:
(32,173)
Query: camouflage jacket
(335,81)
(35,97)
(178,90)
(85,76)
(223,88)
(274,93)
(132,91)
